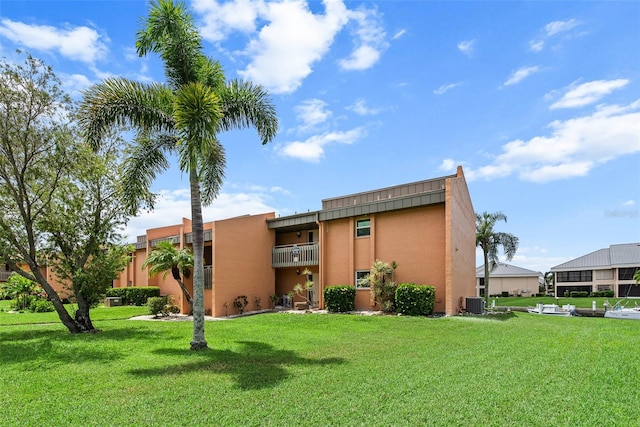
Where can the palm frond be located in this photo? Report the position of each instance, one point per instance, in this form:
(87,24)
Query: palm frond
(145,160)
(121,102)
(171,32)
(212,173)
(246,104)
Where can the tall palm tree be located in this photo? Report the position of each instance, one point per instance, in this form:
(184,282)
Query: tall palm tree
(165,258)
(490,241)
(183,117)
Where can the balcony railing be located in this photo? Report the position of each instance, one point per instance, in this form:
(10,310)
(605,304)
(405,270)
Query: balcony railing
(301,255)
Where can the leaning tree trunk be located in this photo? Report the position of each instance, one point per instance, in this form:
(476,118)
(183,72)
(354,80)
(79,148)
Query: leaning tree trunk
(199,341)
(71,324)
(175,272)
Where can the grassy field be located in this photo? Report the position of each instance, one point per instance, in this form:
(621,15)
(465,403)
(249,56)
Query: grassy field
(578,302)
(331,370)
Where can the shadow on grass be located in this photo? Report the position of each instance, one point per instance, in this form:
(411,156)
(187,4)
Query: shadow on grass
(257,365)
(59,346)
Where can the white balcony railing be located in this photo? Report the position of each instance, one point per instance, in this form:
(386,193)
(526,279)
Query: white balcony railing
(301,255)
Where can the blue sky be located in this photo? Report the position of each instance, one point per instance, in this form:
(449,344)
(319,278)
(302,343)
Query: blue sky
(538,101)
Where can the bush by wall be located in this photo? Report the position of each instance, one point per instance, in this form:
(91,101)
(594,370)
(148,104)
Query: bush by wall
(606,294)
(162,306)
(578,294)
(340,298)
(135,295)
(415,300)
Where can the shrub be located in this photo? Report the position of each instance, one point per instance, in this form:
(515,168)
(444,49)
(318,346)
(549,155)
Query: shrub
(41,306)
(415,300)
(340,298)
(162,306)
(505,293)
(240,303)
(578,294)
(606,294)
(137,295)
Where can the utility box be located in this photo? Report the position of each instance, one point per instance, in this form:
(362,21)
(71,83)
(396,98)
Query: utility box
(112,301)
(475,305)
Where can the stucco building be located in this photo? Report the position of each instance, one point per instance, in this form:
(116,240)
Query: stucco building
(426,227)
(609,268)
(509,280)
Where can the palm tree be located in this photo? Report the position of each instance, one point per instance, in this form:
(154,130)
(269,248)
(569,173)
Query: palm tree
(490,241)
(167,258)
(183,117)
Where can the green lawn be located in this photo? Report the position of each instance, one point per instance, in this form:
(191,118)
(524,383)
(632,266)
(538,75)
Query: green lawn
(100,313)
(333,370)
(578,302)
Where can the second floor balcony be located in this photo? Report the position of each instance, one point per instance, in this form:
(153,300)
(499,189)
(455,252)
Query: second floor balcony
(300,255)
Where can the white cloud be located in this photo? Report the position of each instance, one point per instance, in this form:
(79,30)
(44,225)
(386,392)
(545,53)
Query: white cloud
(360,107)
(370,40)
(286,39)
(447,165)
(82,44)
(445,88)
(521,74)
(74,84)
(550,30)
(312,149)
(556,27)
(174,205)
(467,46)
(573,148)
(221,19)
(285,49)
(536,45)
(399,34)
(311,112)
(629,203)
(588,93)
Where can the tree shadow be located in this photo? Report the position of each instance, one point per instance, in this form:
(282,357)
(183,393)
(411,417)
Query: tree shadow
(257,365)
(21,345)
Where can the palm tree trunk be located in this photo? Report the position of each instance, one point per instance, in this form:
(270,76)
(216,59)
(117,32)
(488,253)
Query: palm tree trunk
(199,341)
(486,277)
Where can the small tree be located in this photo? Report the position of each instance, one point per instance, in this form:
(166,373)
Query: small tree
(166,258)
(303,290)
(383,288)
(19,289)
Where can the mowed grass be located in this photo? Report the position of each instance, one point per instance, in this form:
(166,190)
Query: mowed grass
(330,370)
(578,302)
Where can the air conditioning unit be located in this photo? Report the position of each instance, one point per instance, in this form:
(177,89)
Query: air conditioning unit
(475,305)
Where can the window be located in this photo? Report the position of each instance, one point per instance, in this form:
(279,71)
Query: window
(626,273)
(604,274)
(605,287)
(363,227)
(574,276)
(361,276)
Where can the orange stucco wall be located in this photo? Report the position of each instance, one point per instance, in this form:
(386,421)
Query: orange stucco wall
(414,238)
(242,262)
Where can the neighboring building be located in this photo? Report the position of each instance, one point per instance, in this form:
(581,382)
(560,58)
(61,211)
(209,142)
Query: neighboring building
(610,268)
(426,227)
(515,281)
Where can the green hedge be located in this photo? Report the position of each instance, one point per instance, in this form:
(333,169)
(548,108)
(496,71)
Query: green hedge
(134,295)
(606,294)
(415,300)
(578,294)
(340,298)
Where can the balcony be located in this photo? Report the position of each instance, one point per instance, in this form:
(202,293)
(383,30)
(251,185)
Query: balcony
(300,255)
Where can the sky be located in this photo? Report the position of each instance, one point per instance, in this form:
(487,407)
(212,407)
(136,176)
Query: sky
(539,102)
